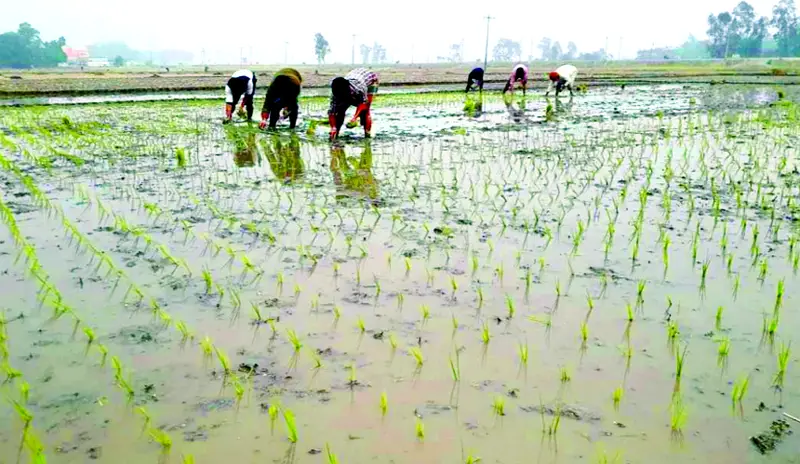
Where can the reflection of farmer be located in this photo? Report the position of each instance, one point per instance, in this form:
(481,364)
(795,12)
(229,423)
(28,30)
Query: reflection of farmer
(517,113)
(244,151)
(284,158)
(282,96)
(475,78)
(519,75)
(473,106)
(562,77)
(354,175)
(241,85)
(357,89)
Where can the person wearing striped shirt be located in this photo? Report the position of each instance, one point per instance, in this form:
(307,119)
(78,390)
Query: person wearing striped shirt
(357,88)
(241,84)
(518,75)
(282,95)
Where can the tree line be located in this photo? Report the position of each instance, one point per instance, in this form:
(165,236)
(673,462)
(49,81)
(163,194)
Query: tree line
(741,33)
(509,50)
(25,49)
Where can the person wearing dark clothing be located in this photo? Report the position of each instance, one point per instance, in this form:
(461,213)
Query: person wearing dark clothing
(242,83)
(357,89)
(475,78)
(282,95)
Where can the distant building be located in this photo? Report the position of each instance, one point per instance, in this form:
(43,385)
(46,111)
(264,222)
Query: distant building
(76,56)
(98,63)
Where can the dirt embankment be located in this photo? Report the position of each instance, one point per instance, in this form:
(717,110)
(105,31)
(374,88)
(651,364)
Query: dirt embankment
(77,82)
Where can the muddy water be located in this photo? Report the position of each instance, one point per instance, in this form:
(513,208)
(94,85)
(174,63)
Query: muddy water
(453,212)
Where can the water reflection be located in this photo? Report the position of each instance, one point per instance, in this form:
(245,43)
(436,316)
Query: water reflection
(245,151)
(516,109)
(283,156)
(353,176)
(473,105)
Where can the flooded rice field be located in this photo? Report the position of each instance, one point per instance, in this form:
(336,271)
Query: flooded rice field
(606,279)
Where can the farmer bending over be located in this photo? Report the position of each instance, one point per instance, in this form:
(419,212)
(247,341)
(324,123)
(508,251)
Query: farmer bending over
(281,96)
(562,77)
(518,74)
(475,78)
(357,89)
(242,83)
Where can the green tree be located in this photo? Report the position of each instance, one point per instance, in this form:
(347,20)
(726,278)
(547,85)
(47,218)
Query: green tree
(555,52)
(113,49)
(365,50)
(693,49)
(507,50)
(321,47)
(25,49)
(378,53)
(545,45)
(119,61)
(747,32)
(719,32)
(572,51)
(784,20)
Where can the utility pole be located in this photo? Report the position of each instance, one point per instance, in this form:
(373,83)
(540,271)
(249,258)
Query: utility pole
(486,49)
(353,52)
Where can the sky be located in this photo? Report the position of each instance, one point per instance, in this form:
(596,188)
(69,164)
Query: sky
(410,31)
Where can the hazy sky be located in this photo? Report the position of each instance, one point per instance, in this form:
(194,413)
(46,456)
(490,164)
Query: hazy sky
(418,29)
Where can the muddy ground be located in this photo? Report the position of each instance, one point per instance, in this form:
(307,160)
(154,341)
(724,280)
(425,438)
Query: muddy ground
(198,78)
(415,265)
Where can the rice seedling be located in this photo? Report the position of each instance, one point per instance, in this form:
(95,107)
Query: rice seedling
(672,330)
(162,438)
(384,403)
(565,375)
(499,406)
(224,362)
(455,367)
(419,430)
(678,415)
(740,390)
(332,459)
(486,336)
(784,352)
(315,357)
(272,411)
(291,427)
(629,312)
(640,286)
(393,341)
(425,313)
(723,349)
(522,351)
(337,312)
(510,306)
(90,336)
(351,376)
(207,346)
(416,353)
(617,396)
(294,340)
(680,358)
(584,332)
(360,324)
